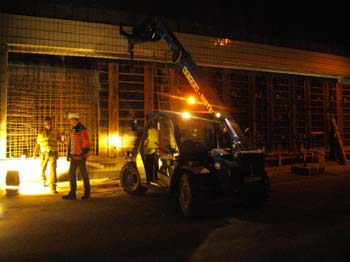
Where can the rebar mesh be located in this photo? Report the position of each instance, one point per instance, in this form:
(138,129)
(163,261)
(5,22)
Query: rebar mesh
(35,92)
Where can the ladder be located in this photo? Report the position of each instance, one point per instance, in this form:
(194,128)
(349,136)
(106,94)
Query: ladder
(337,142)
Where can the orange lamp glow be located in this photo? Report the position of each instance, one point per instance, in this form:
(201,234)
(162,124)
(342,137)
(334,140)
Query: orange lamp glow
(191,100)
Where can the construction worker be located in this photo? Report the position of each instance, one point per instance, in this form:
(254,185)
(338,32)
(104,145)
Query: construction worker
(78,152)
(149,150)
(47,144)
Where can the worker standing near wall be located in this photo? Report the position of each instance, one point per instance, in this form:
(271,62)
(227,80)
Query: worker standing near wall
(78,152)
(47,145)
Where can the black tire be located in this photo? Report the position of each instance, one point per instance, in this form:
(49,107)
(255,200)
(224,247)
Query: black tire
(130,180)
(267,188)
(252,202)
(190,196)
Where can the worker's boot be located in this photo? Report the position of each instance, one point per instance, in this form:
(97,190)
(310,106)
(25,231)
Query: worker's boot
(53,190)
(43,179)
(70,196)
(86,195)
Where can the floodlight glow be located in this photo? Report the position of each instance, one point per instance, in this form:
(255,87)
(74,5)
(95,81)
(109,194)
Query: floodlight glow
(186,115)
(29,174)
(115,140)
(191,100)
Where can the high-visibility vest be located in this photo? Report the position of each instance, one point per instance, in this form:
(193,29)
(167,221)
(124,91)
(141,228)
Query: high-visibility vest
(79,143)
(152,141)
(47,142)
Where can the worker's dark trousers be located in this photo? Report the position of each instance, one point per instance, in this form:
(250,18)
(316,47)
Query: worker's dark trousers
(150,166)
(81,164)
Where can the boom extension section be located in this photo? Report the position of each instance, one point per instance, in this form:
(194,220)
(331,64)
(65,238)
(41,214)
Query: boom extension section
(156,28)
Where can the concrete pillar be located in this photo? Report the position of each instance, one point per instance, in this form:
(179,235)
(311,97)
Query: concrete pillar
(3,98)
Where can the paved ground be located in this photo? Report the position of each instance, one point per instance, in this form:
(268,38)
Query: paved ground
(106,173)
(306,219)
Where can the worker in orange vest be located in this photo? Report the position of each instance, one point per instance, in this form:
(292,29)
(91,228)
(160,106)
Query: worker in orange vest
(78,152)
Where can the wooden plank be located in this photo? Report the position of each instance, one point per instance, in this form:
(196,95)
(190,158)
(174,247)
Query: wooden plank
(307,109)
(113,102)
(340,112)
(148,87)
(326,124)
(339,146)
(269,112)
(308,169)
(293,112)
(252,108)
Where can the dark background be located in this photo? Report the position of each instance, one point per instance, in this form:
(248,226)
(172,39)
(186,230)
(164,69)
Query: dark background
(309,25)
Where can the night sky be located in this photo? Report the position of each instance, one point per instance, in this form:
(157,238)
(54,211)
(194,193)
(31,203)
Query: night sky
(317,22)
(272,22)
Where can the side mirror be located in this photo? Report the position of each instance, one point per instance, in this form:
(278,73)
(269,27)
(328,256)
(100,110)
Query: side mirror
(129,153)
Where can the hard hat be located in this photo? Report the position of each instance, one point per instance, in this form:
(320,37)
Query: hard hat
(73,115)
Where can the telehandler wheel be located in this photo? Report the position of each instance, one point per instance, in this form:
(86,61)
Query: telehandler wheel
(130,180)
(254,201)
(190,195)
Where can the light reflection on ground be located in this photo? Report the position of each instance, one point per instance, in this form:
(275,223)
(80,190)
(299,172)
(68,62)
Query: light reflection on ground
(29,173)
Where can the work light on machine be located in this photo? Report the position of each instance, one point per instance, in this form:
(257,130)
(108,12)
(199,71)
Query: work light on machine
(218,114)
(186,115)
(191,100)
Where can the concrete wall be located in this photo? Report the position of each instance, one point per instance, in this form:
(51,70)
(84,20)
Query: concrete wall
(30,34)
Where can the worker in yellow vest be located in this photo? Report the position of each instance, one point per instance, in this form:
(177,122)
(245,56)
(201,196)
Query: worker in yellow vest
(47,145)
(149,149)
